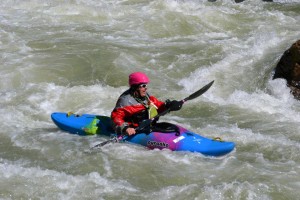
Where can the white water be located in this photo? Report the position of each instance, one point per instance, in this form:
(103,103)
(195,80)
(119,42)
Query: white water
(76,56)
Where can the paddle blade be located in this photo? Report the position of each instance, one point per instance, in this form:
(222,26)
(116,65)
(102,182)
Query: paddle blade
(102,144)
(199,92)
(112,140)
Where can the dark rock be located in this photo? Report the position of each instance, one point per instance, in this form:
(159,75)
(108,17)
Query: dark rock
(239,1)
(288,68)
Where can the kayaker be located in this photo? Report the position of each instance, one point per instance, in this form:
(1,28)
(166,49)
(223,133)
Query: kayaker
(136,105)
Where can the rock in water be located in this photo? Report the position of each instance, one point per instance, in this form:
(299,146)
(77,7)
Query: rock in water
(288,68)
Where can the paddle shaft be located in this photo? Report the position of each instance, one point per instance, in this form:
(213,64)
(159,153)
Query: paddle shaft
(112,140)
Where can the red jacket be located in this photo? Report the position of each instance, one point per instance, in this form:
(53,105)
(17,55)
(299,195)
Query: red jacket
(129,111)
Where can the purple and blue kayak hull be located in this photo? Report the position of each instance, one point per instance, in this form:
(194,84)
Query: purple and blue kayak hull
(87,124)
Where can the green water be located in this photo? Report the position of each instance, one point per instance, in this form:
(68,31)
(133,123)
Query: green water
(77,55)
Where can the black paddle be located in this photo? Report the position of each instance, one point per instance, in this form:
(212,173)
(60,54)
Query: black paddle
(147,122)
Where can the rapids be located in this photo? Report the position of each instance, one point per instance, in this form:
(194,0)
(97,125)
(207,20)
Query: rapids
(76,55)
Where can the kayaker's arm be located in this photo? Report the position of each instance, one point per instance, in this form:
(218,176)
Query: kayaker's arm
(118,123)
(121,137)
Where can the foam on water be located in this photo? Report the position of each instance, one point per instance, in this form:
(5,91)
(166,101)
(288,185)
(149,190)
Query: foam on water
(49,184)
(27,112)
(76,56)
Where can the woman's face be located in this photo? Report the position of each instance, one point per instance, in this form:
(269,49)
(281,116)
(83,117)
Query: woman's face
(142,89)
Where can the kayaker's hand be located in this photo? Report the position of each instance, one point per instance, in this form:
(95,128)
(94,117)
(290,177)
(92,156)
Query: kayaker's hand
(130,131)
(174,105)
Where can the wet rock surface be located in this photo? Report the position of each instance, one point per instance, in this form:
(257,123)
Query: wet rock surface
(288,68)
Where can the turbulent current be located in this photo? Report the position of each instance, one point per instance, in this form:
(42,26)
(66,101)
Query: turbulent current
(76,55)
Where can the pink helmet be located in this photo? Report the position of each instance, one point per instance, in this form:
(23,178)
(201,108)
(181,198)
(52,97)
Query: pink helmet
(137,78)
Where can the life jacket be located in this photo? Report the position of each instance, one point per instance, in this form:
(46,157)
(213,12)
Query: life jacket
(130,110)
(151,108)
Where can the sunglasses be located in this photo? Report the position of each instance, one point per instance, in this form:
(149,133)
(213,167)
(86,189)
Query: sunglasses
(143,86)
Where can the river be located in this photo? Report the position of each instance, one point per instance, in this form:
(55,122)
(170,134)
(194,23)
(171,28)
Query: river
(75,55)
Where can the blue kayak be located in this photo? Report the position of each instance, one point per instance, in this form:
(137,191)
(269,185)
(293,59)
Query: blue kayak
(179,140)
